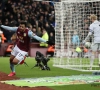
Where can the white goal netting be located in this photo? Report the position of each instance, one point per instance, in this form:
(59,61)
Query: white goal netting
(72,16)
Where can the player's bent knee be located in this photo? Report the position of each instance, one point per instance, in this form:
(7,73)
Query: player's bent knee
(11,58)
(15,61)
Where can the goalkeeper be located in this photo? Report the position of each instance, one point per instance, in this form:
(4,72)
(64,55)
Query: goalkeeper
(94,30)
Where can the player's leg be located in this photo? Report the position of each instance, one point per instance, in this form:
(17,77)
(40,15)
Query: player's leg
(12,56)
(15,61)
(19,56)
(94,48)
(23,61)
(92,59)
(99,58)
(99,53)
(12,65)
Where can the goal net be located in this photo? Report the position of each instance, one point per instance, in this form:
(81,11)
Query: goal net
(72,18)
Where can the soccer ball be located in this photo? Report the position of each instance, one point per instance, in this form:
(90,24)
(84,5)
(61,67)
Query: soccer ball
(87,44)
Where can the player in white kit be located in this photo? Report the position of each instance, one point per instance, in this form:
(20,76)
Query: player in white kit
(94,30)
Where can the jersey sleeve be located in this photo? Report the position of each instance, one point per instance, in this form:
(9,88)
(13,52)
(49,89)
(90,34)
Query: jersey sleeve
(32,35)
(9,28)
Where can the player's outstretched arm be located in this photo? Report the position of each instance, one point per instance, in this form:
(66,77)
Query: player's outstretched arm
(89,34)
(32,35)
(9,28)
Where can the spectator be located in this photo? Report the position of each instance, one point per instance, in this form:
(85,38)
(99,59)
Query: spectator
(2,38)
(45,36)
(52,38)
(75,44)
(51,50)
(38,29)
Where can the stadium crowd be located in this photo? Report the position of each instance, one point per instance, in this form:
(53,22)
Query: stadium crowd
(89,8)
(38,14)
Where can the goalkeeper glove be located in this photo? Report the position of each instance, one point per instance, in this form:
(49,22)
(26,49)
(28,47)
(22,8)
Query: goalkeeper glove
(83,42)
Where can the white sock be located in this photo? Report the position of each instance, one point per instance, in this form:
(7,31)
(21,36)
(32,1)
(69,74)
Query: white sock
(92,60)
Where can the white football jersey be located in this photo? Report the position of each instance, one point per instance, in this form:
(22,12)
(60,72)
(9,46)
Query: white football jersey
(95,29)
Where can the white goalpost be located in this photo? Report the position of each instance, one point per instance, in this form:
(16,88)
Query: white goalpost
(73,16)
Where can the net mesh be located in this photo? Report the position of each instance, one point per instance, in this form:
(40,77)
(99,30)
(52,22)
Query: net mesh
(72,16)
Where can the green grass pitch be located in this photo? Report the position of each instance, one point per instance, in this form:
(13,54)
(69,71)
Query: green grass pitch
(23,71)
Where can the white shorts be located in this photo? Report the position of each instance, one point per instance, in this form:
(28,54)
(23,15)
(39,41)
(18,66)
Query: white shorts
(19,54)
(95,46)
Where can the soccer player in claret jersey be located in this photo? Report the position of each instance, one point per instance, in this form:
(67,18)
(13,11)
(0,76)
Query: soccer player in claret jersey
(95,31)
(21,48)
